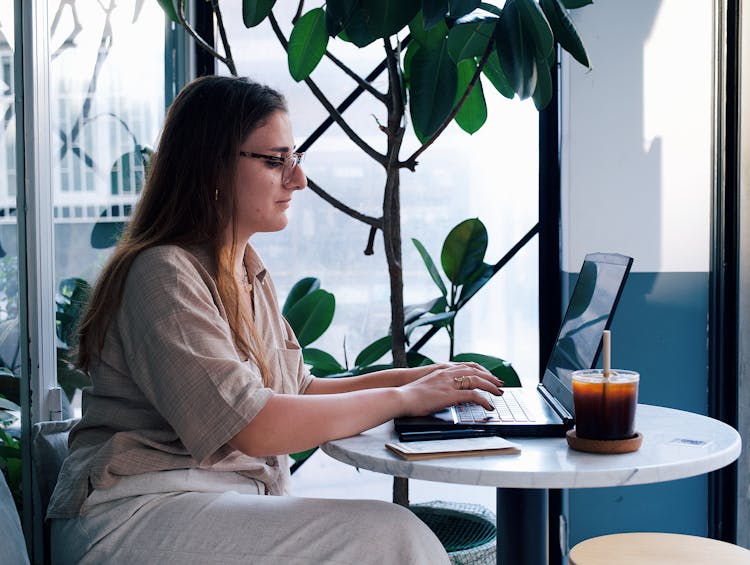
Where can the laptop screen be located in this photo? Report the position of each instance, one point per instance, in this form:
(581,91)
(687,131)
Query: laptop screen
(589,313)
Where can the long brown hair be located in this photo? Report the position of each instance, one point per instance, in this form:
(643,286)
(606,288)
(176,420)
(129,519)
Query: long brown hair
(189,199)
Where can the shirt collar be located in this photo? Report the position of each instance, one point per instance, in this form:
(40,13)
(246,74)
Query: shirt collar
(255,267)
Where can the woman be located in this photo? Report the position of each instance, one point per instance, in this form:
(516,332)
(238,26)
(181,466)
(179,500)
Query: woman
(198,386)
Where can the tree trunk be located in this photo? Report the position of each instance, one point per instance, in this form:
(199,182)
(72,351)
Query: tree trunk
(392,205)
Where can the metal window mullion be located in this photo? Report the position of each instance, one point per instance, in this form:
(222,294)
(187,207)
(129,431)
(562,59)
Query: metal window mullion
(35,225)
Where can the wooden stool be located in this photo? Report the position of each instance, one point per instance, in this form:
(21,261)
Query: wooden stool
(656,549)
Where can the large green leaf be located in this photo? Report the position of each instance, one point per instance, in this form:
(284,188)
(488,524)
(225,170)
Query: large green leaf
(169,9)
(473,113)
(432,85)
(301,457)
(6,404)
(573,4)
(427,36)
(373,352)
(463,250)
(437,320)
(491,8)
(322,362)
(460,8)
(338,14)
(516,50)
(414,311)
(565,32)
(307,44)
(300,289)
(414,359)
(493,71)
(537,25)
(311,316)
(480,278)
(521,36)
(501,369)
(431,268)
(434,12)
(525,46)
(255,11)
(369,20)
(469,40)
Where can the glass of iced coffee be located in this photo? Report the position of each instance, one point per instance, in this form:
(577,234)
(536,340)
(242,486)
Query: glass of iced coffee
(605,406)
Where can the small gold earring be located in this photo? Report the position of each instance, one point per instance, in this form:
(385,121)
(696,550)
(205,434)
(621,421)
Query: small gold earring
(216,195)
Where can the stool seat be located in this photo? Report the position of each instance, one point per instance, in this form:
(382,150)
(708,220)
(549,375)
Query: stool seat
(657,549)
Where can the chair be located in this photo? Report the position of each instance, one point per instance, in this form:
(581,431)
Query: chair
(656,549)
(49,448)
(13,546)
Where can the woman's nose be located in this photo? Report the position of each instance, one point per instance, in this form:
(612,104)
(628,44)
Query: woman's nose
(297,180)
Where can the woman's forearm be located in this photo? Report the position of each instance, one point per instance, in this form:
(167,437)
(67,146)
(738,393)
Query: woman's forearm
(377,379)
(331,410)
(292,423)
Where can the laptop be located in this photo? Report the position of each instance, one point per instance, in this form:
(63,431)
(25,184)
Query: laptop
(547,409)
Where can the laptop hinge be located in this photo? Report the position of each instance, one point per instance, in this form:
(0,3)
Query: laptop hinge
(561,411)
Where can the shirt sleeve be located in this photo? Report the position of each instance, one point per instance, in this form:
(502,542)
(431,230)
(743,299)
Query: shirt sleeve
(181,353)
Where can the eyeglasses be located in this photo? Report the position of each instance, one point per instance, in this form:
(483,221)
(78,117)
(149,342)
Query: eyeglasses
(289,163)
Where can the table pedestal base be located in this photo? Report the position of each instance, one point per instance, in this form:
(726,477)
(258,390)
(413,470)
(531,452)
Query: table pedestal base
(522,526)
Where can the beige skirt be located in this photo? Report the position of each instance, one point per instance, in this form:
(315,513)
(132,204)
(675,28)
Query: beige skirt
(203,517)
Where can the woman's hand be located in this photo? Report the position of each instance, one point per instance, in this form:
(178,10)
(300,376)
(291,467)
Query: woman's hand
(415,373)
(448,384)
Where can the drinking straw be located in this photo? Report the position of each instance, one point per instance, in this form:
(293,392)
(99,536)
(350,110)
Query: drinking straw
(606,367)
(606,349)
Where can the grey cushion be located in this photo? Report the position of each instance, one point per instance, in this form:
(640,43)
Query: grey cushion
(49,448)
(13,545)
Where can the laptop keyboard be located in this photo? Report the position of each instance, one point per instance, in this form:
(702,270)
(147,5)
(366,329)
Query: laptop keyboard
(508,408)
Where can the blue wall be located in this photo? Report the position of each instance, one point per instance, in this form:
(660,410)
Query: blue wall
(660,330)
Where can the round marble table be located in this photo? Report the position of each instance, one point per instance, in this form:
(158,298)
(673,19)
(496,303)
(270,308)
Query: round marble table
(676,445)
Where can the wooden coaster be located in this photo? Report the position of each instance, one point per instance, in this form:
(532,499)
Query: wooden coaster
(606,446)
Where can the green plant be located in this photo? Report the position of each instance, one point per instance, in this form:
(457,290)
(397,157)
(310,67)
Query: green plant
(10,449)
(71,299)
(310,311)
(437,53)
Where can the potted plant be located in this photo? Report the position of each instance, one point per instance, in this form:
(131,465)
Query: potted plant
(438,53)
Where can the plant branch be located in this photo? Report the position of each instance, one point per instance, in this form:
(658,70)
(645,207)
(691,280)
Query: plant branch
(375,223)
(495,268)
(202,42)
(223,34)
(105,45)
(411,162)
(338,118)
(358,79)
(298,13)
(395,87)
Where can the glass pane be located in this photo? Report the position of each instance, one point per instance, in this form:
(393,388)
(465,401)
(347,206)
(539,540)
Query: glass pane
(491,175)
(10,371)
(107,105)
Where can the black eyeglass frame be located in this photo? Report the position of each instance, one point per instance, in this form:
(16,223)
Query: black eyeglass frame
(295,159)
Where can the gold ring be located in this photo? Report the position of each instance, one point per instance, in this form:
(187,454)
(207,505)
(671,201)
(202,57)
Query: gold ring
(460,381)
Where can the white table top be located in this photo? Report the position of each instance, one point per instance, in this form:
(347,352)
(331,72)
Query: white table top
(676,444)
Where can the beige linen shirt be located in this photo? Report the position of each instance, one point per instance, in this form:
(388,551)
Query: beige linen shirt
(169,388)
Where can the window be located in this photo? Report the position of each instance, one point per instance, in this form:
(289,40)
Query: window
(491,175)
(107,105)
